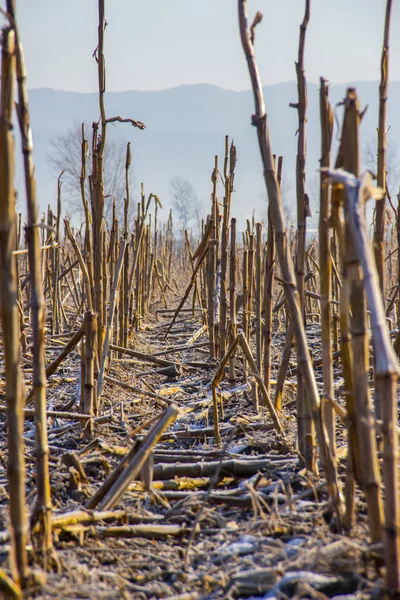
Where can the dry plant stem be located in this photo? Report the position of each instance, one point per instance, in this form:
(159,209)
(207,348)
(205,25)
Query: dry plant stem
(241,341)
(349,158)
(353,474)
(145,530)
(82,264)
(282,300)
(136,390)
(43,506)
(258,262)
(10,589)
(250,294)
(88,398)
(386,367)
(268,287)
(111,247)
(28,413)
(72,291)
(140,228)
(196,295)
(387,388)
(82,378)
(53,366)
(214,256)
(142,356)
(69,269)
(287,350)
(305,428)
(55,324)
(275,199)
(114,248)
(392,300)
(232,297)
(111,479)
(76,517)
(353,471)
(379,232)
(245,279)
(224,249)
(212,264)
(176,349)
(133,468)
(105,276)
(74,341)
(19,289)
(113,299)
(9,316)
(125,295)
(189,287)
(325,262)
(398,260)
(353,462)
(231,466)
(250,284)
(25,250)
(97,182)
(82,180)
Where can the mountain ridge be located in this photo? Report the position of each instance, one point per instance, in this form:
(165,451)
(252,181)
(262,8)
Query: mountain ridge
(204,84)
(186,126)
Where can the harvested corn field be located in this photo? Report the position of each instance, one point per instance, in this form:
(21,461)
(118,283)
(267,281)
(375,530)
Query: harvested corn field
(201,416)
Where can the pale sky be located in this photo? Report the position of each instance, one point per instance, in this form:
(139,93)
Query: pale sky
(157,44)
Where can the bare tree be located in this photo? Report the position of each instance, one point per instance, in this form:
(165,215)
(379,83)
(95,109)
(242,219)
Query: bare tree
(65,154)
(185,201)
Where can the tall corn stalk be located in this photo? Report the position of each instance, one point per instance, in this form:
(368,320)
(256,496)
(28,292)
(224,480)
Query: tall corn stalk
(258,286)
(387,370)
(285,261)
(10,317)
(379,233)
(305,429)
(268,288)
(233,267)
(349,158)
(43,505)
(353,462)
(325,262)
(212,260)
(229,166)
(125,294)
(97,182)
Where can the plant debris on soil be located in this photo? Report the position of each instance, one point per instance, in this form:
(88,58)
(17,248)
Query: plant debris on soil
(240,520)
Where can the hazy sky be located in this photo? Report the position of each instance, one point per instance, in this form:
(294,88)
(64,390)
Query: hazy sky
(155,44)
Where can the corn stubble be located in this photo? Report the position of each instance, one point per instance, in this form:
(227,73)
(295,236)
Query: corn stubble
(240,288)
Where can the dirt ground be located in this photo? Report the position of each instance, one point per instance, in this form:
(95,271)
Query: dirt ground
(242,520)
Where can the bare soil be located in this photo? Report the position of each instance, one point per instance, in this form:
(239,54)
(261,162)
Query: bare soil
(243,529)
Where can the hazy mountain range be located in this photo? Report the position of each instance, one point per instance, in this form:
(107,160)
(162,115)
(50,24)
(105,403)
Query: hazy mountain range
(185,128)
